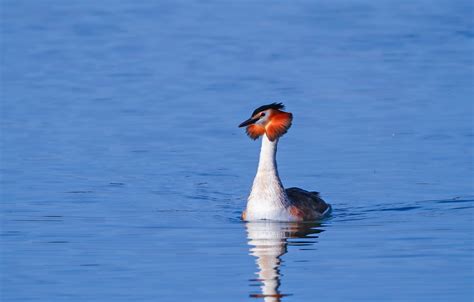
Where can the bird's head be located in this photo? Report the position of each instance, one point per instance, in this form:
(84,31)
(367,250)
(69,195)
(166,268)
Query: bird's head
(269,120)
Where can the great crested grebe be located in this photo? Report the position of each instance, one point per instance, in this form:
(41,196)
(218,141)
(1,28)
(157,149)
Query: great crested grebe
(268,199)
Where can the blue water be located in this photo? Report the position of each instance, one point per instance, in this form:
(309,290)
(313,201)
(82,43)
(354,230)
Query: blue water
(123,172)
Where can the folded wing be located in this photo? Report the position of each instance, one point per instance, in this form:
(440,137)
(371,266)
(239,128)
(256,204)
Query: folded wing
(308,205)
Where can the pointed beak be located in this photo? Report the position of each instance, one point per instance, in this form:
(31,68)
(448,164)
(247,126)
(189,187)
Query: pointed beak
(248,122)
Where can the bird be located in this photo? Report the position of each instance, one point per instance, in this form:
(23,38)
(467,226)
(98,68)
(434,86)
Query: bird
(268,199)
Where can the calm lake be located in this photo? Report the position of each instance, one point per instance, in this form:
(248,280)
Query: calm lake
(123,172)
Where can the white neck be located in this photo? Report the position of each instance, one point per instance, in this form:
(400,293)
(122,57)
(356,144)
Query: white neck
(267,162)
(268,198)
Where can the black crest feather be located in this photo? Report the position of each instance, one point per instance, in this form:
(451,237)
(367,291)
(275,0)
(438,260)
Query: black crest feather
(277,106)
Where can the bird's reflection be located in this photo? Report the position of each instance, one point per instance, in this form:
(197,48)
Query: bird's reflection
(268,242)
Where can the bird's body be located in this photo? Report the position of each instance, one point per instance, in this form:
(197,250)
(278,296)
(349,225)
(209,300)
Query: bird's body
(268,199)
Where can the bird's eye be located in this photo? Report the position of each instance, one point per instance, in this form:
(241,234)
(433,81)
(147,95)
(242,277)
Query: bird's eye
(262,115)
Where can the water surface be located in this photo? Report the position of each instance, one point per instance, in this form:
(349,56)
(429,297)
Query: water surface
(123,172)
